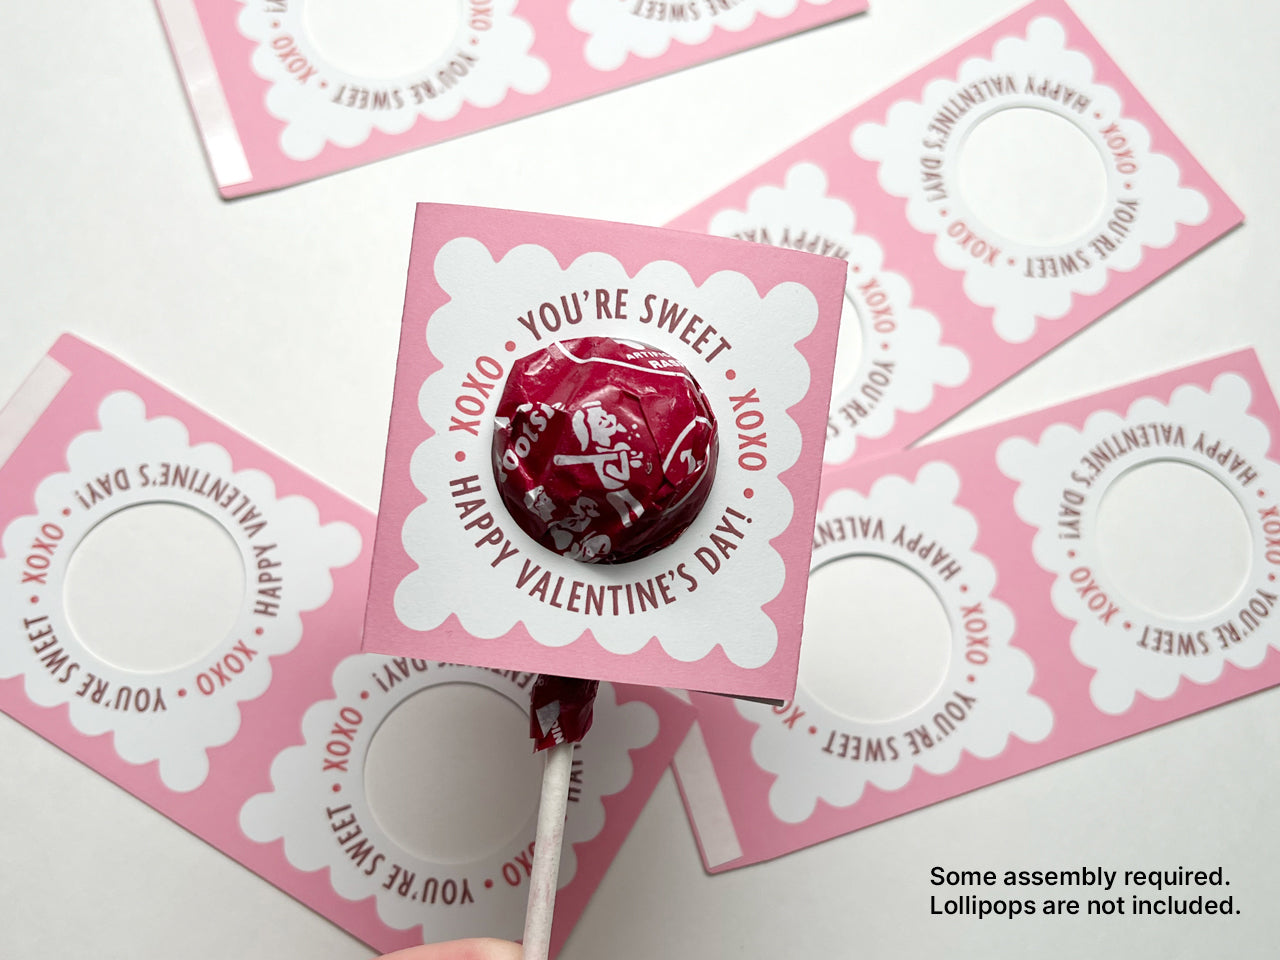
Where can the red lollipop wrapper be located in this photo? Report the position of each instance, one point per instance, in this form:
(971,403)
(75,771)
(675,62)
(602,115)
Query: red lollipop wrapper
(604,450)
(560,710)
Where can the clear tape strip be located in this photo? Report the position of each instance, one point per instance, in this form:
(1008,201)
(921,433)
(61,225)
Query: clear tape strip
(208,103)
(705,801)
(19,415)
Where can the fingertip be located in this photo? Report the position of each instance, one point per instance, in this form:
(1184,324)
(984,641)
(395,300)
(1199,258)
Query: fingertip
(490,949)
(481,948)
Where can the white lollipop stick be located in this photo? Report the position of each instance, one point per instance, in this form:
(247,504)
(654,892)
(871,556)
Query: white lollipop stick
(552,807)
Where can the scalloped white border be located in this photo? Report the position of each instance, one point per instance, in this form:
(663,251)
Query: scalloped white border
(179,735)
(617,30)
(1042,467)
(305,85)
(294,810)
(1002,705)
(997,278)
(455,577)
(901,357)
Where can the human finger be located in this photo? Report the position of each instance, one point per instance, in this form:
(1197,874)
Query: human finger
(477,949)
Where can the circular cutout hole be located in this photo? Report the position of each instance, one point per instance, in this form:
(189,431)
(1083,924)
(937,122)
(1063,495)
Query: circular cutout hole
(877,641)
(451,775)
(1032,176)
(848,347)
(1173,539)
(383,38)
(154,586)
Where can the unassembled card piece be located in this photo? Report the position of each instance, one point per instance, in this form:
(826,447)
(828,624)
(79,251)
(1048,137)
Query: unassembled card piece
(1056,647)
(288,90)
(214,744)
(455,578)
(962,270)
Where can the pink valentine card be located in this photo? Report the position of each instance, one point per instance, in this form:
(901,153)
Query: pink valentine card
(994,602)
(288,90)
(455,574)
(256,723)
(987,207)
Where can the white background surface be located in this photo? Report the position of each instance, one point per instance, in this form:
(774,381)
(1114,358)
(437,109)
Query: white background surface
(279,314)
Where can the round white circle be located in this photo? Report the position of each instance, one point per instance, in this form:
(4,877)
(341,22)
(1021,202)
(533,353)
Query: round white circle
(877,640)
(1173,539)
(154,587)
(1032,176)
(451,774)
(383,38)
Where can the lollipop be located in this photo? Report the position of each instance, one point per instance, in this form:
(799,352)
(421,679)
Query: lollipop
(604,450)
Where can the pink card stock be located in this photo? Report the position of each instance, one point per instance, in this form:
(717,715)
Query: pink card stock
(1075,612)
(987,207)
(454,578)
(288,90)
(260,744)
